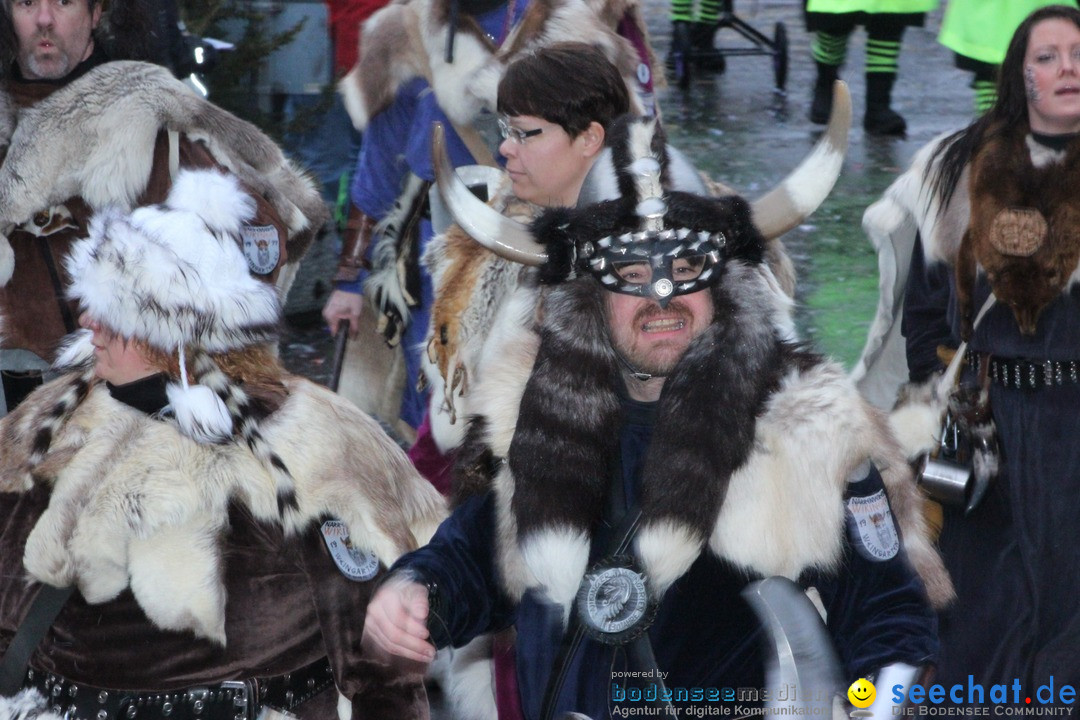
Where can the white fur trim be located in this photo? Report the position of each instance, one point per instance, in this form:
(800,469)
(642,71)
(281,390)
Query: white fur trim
(813,433)
(77,349)
(214,197)
(557,558)
(344,707)
(7,260)
(470,681)
(163,275)
(200,413)
(28,704)
(667,550)
(917,427)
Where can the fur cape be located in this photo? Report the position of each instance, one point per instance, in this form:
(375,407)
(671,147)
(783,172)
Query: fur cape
(134,503)
(408,39)
(93,139)
(784,430)
(908,212)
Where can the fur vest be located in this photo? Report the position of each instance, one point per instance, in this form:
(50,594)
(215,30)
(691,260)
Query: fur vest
(752,435)
(94,139)
(136,504)
(408,39)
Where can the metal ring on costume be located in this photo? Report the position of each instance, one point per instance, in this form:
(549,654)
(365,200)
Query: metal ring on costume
(613,601)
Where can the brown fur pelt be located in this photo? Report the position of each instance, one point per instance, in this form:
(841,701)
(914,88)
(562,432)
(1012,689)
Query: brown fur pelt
(471,284)
(1025,226)
(407,39)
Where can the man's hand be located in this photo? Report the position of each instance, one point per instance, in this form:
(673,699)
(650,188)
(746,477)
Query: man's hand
(396,620)
(343,305)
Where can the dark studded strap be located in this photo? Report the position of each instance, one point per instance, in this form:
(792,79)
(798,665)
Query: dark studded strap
(43,611)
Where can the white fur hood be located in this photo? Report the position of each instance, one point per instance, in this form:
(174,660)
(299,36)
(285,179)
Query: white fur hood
(94,138)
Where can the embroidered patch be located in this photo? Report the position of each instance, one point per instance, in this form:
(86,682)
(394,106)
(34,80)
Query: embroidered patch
(613,603)
(262,248)
(1018,232)
(871,526)
(354,563)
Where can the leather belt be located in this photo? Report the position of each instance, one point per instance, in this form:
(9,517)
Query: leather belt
(1021,374)
(229,700)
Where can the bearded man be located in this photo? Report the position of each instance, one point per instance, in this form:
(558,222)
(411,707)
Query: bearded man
(655,441)
(80,132)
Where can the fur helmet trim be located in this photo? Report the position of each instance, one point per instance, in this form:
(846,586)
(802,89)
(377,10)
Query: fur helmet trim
(173,275)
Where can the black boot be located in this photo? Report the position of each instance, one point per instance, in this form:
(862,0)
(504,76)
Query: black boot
(706,57)
(821,106)
(880,118)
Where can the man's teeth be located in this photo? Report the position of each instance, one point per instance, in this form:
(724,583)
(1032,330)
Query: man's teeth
(664,325)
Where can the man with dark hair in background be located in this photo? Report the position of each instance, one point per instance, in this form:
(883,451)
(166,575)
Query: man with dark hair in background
(81,130)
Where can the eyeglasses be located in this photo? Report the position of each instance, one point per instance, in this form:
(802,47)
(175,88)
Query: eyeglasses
(518,135)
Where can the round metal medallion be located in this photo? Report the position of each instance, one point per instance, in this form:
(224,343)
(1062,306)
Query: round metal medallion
(613,602)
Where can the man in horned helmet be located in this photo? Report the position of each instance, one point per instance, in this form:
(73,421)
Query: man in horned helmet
(190,531)
(84,127)
(664,443)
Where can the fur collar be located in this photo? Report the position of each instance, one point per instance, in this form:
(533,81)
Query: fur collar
(79,142)
(773,464)
(408,39)
(136,504)
(1022,231)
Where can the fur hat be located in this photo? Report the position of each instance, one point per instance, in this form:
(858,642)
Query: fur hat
(174,277)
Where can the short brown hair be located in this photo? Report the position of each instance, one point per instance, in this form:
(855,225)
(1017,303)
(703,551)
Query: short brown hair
(569,84)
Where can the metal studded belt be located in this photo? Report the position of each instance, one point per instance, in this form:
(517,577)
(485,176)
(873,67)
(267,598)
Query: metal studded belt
(230,700)
(1022,374)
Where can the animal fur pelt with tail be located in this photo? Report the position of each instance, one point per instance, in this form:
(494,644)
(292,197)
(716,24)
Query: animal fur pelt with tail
(128,491)
(78,141)
(473,287)
(408,39)
(1023,232)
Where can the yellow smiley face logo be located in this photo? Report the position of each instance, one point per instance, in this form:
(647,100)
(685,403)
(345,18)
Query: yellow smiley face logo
(862,693)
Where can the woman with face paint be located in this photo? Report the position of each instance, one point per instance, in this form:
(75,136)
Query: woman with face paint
(998,214)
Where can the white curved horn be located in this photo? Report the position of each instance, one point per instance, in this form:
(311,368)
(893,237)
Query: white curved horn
(505,237)
(807,186)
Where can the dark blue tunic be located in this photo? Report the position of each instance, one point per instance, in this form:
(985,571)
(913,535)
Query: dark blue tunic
(705,637)
(1014,559)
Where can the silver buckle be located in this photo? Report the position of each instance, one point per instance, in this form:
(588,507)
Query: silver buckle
(242,698)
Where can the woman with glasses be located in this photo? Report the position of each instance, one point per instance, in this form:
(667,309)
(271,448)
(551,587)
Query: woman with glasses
(555,107)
